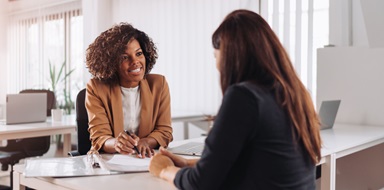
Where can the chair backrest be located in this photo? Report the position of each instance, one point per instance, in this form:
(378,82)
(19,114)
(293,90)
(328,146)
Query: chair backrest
(51,99)
(38,146)
(83,141)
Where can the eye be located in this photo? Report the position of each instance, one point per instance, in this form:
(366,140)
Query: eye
(124,57)
(139,53)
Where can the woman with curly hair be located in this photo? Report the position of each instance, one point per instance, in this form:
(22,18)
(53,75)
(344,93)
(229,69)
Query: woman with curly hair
(266,133)
(127,107)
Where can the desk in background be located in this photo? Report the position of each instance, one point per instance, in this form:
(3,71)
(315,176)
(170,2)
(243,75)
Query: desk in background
(198,119)
(344,140)
(27,130)
(338,142)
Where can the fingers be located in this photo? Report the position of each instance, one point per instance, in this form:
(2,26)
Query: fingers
(122,149)
(132,139)
(127,144)
(146,151)
(167,153)
(124,144)
(177,160)
(135,138)
(164,151)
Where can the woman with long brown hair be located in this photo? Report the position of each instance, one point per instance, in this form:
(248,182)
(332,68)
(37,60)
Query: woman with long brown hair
(266,133)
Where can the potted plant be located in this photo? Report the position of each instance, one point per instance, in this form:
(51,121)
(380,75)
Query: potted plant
(56,78)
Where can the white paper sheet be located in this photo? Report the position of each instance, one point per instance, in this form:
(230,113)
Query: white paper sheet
(79,166)
(124,163)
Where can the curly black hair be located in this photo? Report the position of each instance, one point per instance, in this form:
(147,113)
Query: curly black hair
(103,56)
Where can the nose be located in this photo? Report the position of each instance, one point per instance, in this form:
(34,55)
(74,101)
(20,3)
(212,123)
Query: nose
(135,62)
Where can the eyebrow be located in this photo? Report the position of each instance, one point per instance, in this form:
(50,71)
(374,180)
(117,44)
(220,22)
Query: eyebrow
(135,51)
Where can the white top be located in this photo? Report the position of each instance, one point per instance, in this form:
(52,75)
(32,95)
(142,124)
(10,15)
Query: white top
(131,108)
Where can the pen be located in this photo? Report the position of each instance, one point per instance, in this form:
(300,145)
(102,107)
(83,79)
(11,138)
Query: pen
(135,147)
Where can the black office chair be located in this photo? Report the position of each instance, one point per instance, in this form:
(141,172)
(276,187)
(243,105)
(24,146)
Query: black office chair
(18,149)
(83,140)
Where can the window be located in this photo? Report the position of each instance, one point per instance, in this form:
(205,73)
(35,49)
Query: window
(302,26)
(47,36)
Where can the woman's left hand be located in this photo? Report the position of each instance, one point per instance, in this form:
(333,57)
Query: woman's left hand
(144,148)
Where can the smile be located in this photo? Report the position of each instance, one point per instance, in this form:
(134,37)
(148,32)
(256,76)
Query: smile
(135,70)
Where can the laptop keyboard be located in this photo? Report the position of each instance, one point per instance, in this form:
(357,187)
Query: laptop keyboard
(190,148)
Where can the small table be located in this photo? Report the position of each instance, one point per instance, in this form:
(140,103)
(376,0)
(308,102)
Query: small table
(203,121)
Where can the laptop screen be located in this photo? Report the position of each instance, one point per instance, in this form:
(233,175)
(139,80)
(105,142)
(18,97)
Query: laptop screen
(26,108)
(327,113)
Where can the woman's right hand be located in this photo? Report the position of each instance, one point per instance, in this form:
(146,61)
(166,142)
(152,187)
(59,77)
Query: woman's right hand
(124,143)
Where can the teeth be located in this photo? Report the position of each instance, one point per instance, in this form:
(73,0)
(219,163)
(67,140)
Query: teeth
(136,70)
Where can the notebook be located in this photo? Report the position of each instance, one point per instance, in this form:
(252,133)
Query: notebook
(190,149)
(327,113)
(26,108)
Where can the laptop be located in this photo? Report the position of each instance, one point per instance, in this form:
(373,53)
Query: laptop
(26,108)
(327,113)
(189,149)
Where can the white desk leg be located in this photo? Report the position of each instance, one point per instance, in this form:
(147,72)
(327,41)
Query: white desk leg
(16,181)
(67,144)
(328,173)
(186,130)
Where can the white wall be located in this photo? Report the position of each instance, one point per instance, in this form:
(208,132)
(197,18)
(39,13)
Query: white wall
(356,23)
(97,16)
(356,76)
(3,55)
(374,21)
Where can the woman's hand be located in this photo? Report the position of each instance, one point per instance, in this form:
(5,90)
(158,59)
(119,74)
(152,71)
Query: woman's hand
(124,143)
(145,149)
(158,163)
(177,160)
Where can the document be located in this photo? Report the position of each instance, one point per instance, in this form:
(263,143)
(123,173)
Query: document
(123,163)
(106,164)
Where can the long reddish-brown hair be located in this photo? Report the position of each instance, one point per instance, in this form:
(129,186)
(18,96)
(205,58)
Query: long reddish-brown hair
(250,51)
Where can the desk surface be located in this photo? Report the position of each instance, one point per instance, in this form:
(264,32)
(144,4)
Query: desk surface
(14,131)
(132,181)
(340,141)
(27,130)
(345,139)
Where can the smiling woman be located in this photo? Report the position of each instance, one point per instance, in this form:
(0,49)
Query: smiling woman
(122,95)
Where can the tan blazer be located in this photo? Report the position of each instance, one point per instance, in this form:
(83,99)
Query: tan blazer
(105,110)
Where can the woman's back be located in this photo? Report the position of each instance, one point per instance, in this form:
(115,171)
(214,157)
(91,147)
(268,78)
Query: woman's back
(251,146)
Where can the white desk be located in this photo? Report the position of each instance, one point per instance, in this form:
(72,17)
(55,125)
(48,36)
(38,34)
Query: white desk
(203,121)
(27,130)
(338,142)
(343,140)
(132,181)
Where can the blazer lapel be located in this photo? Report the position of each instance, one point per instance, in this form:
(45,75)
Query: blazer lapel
(117,110)
(146,109)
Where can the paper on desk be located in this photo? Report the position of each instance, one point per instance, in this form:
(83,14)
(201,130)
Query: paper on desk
(60,167)
(79,166)
(124,163)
